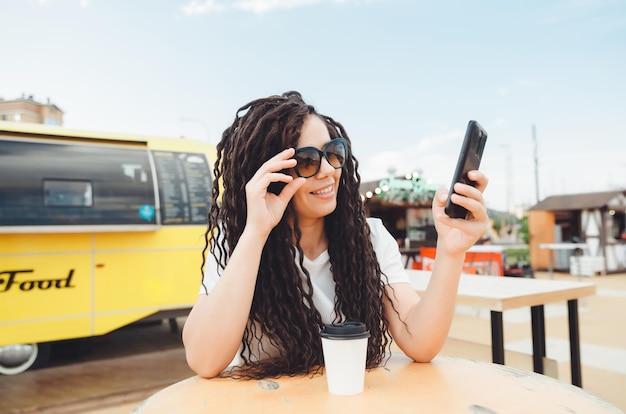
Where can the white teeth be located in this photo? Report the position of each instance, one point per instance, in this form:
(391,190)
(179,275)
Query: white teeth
(324,191)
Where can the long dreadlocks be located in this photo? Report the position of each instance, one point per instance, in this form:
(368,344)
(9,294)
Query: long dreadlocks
(282,310)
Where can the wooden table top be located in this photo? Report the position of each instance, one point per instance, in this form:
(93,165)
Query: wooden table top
(563,246)
(501,293)
(446,385)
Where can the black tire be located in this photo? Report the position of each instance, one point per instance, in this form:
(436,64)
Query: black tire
(15,359)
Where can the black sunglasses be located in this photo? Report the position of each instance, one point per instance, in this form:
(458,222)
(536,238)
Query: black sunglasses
(309,159)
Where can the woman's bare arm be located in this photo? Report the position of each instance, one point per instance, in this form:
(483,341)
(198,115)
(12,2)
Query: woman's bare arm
(421,325)
(214,329)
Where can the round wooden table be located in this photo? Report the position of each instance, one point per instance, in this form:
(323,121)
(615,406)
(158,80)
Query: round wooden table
(446,385)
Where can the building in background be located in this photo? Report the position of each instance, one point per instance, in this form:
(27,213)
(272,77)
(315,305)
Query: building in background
(404,204)
(27,109)
(597,220)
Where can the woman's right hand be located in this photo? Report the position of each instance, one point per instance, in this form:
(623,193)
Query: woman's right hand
(209,348)
(266,209)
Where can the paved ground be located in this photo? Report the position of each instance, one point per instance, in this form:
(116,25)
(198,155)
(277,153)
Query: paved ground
(126,367)
(602,336)
(113,372)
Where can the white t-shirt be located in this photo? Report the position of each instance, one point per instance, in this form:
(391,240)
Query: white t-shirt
(386,250)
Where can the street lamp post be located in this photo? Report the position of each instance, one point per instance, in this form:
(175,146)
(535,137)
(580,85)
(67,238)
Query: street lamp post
(535,145)
(204,125)
(509,177)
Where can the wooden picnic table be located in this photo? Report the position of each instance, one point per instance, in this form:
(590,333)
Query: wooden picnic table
(445,385)
(499,294)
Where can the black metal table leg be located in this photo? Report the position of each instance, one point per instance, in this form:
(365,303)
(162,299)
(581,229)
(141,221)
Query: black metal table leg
(537,318)
(574,342)
(497,338)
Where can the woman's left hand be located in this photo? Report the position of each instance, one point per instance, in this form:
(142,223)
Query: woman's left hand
(458,235)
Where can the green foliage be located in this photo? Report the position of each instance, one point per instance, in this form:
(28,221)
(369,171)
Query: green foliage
(523,231)
(497,223)
(515,255)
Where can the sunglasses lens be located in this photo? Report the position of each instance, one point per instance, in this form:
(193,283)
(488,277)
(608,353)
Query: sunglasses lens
(309,159)
(336,154)
(308,163)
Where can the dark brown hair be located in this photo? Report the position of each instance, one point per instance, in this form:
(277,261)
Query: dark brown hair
(282,308)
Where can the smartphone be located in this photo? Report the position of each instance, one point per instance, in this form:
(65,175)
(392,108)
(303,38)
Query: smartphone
(469,159)
(276,187)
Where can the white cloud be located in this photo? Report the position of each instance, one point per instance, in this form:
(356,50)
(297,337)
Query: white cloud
(517,85)
(202,7)
(430,156)
(261,6)
(81,3)
(498,122)
(196,7)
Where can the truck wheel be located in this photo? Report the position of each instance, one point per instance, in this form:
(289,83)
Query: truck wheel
(15,359)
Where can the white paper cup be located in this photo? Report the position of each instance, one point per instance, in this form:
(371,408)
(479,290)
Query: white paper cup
(345,353)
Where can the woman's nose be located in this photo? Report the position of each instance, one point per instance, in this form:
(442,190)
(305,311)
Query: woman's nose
(326,168)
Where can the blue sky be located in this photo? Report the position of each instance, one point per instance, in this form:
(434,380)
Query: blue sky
(404,77)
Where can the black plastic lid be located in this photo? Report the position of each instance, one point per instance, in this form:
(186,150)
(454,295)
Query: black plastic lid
(345,330)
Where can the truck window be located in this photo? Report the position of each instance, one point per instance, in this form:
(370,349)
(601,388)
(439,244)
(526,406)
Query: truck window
(184,187)
(67,193)
(74,184)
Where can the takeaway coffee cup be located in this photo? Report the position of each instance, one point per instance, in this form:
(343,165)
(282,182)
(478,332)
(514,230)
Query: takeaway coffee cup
(345,352)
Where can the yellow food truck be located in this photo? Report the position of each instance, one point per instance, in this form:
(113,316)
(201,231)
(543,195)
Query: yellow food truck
(97,231)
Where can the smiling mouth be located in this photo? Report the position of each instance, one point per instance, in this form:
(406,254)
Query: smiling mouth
(323,191)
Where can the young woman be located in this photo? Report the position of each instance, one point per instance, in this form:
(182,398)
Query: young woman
(289,248)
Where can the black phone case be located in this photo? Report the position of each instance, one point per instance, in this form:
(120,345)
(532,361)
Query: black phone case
(469,159)
(276,187)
